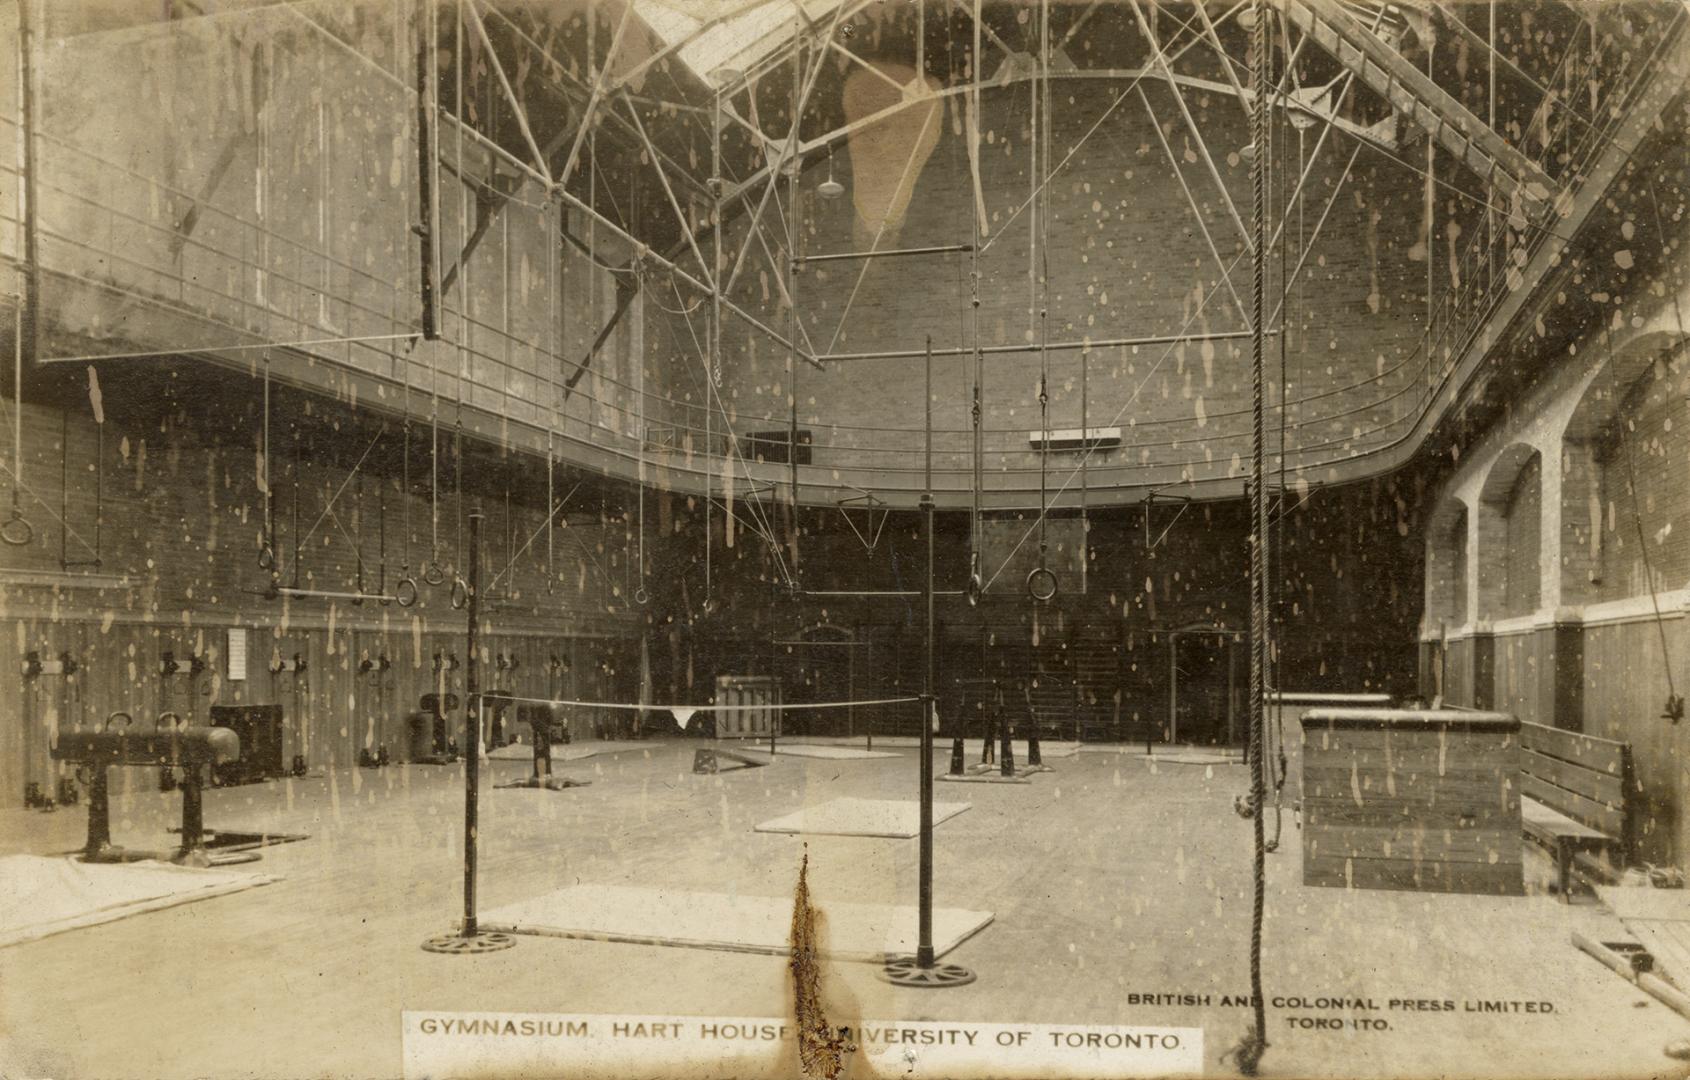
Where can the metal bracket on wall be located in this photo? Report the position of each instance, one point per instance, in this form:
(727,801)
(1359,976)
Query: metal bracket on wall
(1149,503)
(34,666)
(169,664)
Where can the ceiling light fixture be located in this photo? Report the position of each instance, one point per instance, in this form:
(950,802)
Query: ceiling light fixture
(830,188)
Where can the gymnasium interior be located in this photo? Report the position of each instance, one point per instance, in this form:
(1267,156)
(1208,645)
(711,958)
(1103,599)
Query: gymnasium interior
(796,534)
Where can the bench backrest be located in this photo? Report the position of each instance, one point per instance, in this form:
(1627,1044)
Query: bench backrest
(1584,777)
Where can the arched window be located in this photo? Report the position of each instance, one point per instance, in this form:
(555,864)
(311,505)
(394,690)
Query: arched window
(1625,500)
(1509,558)
(1644,457)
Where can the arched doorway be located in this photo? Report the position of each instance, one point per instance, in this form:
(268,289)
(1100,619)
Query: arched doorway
(1205,695)
(820,663)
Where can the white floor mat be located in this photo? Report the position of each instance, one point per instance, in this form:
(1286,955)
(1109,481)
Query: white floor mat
(891,818)
(41,896)
(707,920)
(574,751)
(838,753)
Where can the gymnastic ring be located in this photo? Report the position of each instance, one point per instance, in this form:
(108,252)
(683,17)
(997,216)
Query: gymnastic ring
(641,597)
(1041,583)
(460,594)
(17,531)
(127,720)
(976,588)
(433,574)
(266,558)
(405,592)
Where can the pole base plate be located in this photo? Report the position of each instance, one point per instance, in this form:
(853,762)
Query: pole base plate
(459,945)
(904,971)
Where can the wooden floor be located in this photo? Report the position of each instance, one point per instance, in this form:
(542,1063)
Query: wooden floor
(1109,877)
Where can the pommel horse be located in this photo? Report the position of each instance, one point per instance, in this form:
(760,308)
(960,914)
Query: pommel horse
(188,747)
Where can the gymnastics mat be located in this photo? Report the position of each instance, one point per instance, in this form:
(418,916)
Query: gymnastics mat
(41,896)
(832,753)
(574,751)
(890,818)
(1194,755)
(708,920)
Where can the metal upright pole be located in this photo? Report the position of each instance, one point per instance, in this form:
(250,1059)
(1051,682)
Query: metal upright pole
(472,725)
(924,947)
(469,938)
(924,971)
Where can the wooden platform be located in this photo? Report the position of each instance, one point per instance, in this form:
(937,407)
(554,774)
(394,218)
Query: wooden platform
(1660,919)
(1400,799)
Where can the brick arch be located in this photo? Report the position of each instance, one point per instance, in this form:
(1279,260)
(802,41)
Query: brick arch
(1447,565)
(1643,386)
(1509,553)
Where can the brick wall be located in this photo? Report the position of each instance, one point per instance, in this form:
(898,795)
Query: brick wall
(1346,565)
(181,526)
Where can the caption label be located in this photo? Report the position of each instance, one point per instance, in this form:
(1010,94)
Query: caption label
(445,1044)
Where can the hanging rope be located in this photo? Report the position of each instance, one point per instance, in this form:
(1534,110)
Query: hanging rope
(1254,1043)
(17,531)
(1041,583)
(640,594)
(267,553)
(405,587)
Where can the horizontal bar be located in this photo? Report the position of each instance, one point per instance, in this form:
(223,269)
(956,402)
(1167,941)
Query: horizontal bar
(1054,346)
(872,592)
(290,592)
(943,249)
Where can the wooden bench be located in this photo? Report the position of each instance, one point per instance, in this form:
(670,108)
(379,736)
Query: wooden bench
(1575,795)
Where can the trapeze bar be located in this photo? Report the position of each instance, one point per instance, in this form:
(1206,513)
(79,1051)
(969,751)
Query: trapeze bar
(872,592)
(1054,346)
(942,249)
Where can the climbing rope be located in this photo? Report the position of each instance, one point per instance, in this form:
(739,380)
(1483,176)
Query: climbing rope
(1253,1045)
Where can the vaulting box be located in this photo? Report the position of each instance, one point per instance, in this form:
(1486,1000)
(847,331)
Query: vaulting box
(746,713)
(1419,800)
